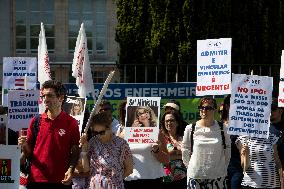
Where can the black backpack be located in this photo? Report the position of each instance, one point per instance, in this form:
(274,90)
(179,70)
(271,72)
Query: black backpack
(222,135)
(26,166)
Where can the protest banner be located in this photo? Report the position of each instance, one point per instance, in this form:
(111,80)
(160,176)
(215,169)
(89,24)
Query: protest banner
(18,73)
(142,120)
(9,166)
(3,129)
(184,92)
(281,83)
(250,105)
(75,106)
(22,106)
(214,66)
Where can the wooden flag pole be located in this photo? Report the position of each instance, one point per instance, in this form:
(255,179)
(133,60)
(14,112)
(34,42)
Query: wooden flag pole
(96,107)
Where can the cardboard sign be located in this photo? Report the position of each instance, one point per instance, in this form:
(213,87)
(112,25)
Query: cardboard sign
(250,105)
(9,166)
(142,120)
(18,73)
(281,83)
(214,67)
(22,106)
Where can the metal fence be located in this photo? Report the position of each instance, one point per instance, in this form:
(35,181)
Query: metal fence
(132,73)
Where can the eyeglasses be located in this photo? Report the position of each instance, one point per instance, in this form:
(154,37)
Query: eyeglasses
(141,113)
(207,108)
(96,133)
(170,120)
(48,95)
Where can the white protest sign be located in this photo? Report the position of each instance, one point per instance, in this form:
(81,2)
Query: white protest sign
(250,105)
(214,66)
(142,120)
(22,106)
(9,166)
(75,106)
(281,83)
(18,73)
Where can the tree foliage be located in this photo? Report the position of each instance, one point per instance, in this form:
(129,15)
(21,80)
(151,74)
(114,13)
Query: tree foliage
(165,32)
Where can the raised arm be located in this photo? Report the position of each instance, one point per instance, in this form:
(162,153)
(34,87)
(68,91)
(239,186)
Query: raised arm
(159,150)
(244,152)
(84,153)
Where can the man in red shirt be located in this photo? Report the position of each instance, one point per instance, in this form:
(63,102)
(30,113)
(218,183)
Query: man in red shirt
(56,149)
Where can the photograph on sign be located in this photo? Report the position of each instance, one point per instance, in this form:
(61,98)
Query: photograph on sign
(75,106)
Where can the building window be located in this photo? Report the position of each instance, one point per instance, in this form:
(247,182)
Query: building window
(100,28)
(93,14)
(99,76)
(29,15)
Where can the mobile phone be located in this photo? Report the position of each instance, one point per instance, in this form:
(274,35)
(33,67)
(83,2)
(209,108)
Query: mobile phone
(24,131)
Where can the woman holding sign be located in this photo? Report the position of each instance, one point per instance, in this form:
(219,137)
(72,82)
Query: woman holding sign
(206,149)
(106,156)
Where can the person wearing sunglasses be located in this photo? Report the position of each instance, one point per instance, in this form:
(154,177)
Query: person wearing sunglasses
(106,156)
(105,106)
(206,149)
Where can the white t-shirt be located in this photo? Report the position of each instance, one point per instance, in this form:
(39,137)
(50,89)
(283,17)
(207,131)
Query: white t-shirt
(263,172)
(209,159)
(146,166)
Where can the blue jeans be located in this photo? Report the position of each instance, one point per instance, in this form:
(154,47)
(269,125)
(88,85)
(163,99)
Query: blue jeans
(235,180)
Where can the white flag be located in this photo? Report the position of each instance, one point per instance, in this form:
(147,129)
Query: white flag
(43,60)
(81,68)
(43,63)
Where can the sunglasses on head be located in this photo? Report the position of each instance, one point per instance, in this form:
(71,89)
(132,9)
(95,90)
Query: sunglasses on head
(99,132)
(205,108)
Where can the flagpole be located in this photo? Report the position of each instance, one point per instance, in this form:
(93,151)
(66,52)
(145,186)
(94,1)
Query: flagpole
(96,107)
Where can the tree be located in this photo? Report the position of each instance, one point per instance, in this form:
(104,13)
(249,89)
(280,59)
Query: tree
(164,33)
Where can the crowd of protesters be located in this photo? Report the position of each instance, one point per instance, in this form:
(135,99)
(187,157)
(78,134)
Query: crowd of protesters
(200,155)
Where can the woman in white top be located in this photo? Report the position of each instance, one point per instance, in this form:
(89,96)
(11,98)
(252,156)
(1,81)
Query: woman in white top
(148,171)
(206,149)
